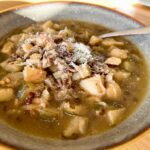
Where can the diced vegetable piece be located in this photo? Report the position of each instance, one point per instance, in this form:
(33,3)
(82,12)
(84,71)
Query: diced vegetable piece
(119,53)
(50,30)
(109,77)
(112,70)
(47,24)
(114,116)
(57,26)
(35,56)
(29,29)
(93,85)
(83,71)
(11,67)
(110,42)
(24,90)
(98,48)
(49,113)
(61,95)
(77,126)
(94,40)
(49,81)
(41,101)
(92,101)
(45,95)
(15,79)
(121,75)
(8,48)
(77,110)
(24,36)
(100,104)
(27,47)
(6,94)
(128,66)
(54,68)
(113,61)
(34,75)
(15,38)
(58,74)
(113,90)
(65,33)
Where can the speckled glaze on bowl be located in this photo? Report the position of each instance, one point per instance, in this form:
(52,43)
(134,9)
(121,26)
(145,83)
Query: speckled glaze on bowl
(136,123)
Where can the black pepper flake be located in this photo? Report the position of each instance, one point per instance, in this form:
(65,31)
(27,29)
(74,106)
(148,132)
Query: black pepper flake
(58,40)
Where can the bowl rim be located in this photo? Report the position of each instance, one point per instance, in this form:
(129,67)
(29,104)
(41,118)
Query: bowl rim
(126,141)
(74,2)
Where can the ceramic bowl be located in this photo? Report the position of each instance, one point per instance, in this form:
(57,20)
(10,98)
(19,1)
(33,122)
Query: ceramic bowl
(133,125)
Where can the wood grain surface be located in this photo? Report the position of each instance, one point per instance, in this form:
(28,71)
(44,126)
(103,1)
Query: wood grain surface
(135,10)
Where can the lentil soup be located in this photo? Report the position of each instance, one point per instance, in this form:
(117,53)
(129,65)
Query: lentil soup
(60,80)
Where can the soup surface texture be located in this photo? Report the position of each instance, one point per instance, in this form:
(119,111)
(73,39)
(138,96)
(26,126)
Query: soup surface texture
(60,80)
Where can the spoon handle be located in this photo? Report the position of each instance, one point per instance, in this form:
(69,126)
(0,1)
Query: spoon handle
(145,30)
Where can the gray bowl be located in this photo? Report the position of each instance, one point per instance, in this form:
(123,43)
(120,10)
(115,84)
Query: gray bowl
(136,123)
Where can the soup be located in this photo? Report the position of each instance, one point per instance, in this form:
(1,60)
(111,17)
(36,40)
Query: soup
(60,80)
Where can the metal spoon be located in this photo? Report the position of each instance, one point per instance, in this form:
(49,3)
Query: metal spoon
(138,31)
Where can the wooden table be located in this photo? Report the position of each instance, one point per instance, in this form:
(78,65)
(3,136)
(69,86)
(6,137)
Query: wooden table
(135,10)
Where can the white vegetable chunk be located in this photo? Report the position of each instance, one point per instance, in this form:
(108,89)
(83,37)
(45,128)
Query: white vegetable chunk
(27,47)
(46,95)
(114,116)
(8,48)
(128,66)
(29,29)
(76,126)
(10,67)
(94,40)
(12,79)
(47,24)
(113,61)
(6,94)
(113,90)
(93,85)
(121,75)
(119,53)
(83,71)
(15,38)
